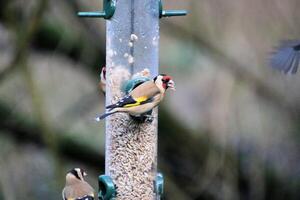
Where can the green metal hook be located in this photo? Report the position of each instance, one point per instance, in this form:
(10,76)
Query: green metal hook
(107,190)
(109,7)
(170,13)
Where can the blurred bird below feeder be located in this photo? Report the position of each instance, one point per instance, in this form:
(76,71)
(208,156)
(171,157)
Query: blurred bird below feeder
(286,57)
(76,187)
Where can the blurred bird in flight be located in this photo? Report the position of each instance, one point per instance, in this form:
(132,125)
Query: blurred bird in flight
(286,57)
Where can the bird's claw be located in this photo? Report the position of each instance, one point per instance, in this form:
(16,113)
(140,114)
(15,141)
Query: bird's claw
(149,118)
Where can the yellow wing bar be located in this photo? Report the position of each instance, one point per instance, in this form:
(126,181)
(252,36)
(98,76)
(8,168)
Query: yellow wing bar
(138,100)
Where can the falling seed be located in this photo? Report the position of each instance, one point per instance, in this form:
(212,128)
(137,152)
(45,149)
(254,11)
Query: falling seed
(155,41)
(133,37)
(130,44)
(120,40)
(126,55)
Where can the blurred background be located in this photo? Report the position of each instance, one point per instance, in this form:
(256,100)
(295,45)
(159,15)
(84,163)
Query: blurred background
(230,131)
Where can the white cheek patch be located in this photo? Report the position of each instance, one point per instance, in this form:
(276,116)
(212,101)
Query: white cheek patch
(78,170)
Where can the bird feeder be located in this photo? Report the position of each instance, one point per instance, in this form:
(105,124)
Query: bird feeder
(132,44)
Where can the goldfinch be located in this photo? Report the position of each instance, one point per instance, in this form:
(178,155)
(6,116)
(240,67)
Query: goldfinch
(143,98)
(102,82)
(76,187)
(286,57)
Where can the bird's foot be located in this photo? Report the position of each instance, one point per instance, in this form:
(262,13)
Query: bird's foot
(148,118)
(143,118)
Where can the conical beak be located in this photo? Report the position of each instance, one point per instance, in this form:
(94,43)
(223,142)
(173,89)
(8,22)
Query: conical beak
(171,85)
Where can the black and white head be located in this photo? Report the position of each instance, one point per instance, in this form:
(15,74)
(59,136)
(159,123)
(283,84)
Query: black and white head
(77,173)
(164,82)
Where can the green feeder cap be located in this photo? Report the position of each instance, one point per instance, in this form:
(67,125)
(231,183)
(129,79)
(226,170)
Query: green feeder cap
(107,189)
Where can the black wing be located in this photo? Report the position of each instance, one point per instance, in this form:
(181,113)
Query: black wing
(286,57)
(121,103)
(129,101)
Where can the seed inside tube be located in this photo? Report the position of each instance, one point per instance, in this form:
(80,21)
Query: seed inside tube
(131,146)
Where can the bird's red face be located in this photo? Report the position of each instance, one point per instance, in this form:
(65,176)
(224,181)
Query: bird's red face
(168,82)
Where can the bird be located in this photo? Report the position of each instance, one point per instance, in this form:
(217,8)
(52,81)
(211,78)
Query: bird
(76,187)
(102,82)
(142,99)
(286,57)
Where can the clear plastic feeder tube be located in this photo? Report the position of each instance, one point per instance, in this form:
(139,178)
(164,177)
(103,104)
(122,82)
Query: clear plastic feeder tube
(131,147)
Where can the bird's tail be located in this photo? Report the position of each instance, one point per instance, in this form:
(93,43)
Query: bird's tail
(112,106)
(103,116)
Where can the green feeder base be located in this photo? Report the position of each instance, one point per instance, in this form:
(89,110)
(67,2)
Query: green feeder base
(107,190)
